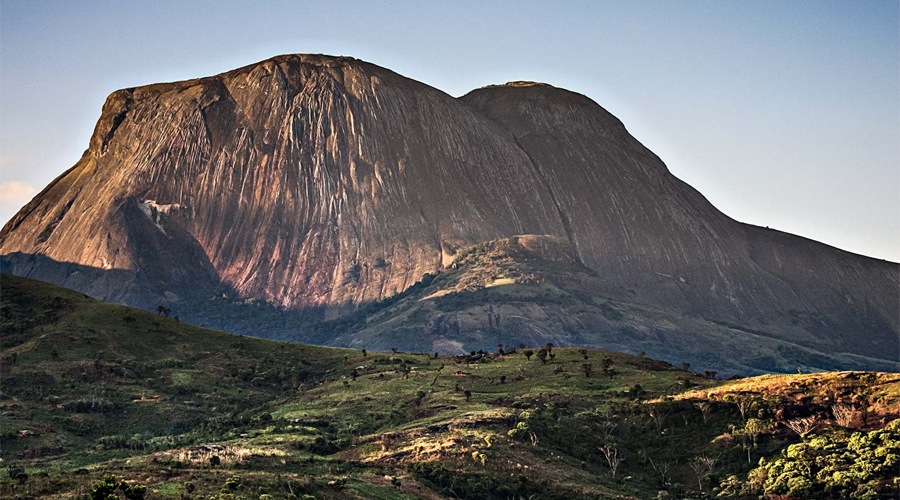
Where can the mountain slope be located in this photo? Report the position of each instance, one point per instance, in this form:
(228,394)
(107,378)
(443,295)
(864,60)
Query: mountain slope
(303,181)
(321,184)
(644,229)
(529,289)
(91,389)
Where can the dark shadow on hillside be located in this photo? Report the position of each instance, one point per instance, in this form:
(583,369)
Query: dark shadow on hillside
(215,305)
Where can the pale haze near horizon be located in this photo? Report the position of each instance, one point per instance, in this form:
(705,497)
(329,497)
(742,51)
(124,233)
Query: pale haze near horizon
(782,114)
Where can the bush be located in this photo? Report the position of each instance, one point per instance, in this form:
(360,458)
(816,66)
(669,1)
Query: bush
(857,465)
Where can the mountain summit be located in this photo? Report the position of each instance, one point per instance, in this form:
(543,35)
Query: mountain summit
(323,184)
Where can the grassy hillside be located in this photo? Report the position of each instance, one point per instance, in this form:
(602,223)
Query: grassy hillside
(91,389)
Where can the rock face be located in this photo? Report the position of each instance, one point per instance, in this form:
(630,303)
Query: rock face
(320,184)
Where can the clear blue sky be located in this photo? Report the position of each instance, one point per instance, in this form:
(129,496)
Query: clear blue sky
(784,114)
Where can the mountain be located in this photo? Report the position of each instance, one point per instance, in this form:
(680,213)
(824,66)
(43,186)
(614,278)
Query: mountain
(325,186)
(91,389)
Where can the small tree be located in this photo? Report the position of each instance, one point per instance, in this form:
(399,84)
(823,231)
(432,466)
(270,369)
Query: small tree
(843,414)
(702,466)
(542,355)
(750,433)
(588,369)
(662,471)
(659,417)
(686,366)
(549,347)
(705,408)
(502,379)
(802,425)
(612,458)
(528,354)
(365,353)
(744,403)
(468,394)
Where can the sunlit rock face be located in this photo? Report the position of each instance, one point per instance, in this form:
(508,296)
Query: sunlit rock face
(315,182)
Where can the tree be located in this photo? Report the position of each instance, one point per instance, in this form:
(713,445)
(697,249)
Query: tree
(500,348)
(588,369)
(528,354)
(468,394)
(843,414)
(659,416)
(105,489)
(802,425)
(542,355)
(159,310)
(743,402)
(702,466)
(502,379)
(858,465)
(705,408)
(365,353)
(662,471)
(612,458)
(750,433)
(686,366)
(549,347)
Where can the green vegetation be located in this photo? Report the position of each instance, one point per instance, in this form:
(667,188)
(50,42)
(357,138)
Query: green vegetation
(101,401)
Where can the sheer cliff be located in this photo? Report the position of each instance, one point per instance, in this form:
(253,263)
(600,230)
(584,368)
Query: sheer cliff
(322,184)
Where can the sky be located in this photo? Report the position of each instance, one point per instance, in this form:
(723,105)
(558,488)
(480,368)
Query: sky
(783,114)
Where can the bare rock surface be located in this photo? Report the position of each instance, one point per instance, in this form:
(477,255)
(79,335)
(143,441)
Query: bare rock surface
(322,184)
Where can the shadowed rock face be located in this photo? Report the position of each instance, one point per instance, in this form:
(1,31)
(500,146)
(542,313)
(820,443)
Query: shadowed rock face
(321,182)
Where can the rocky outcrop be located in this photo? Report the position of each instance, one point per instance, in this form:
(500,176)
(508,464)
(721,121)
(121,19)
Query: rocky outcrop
(323,183)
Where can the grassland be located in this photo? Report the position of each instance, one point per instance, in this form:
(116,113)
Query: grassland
(91,389)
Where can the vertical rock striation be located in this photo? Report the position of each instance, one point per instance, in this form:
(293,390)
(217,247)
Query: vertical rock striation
(322,183)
